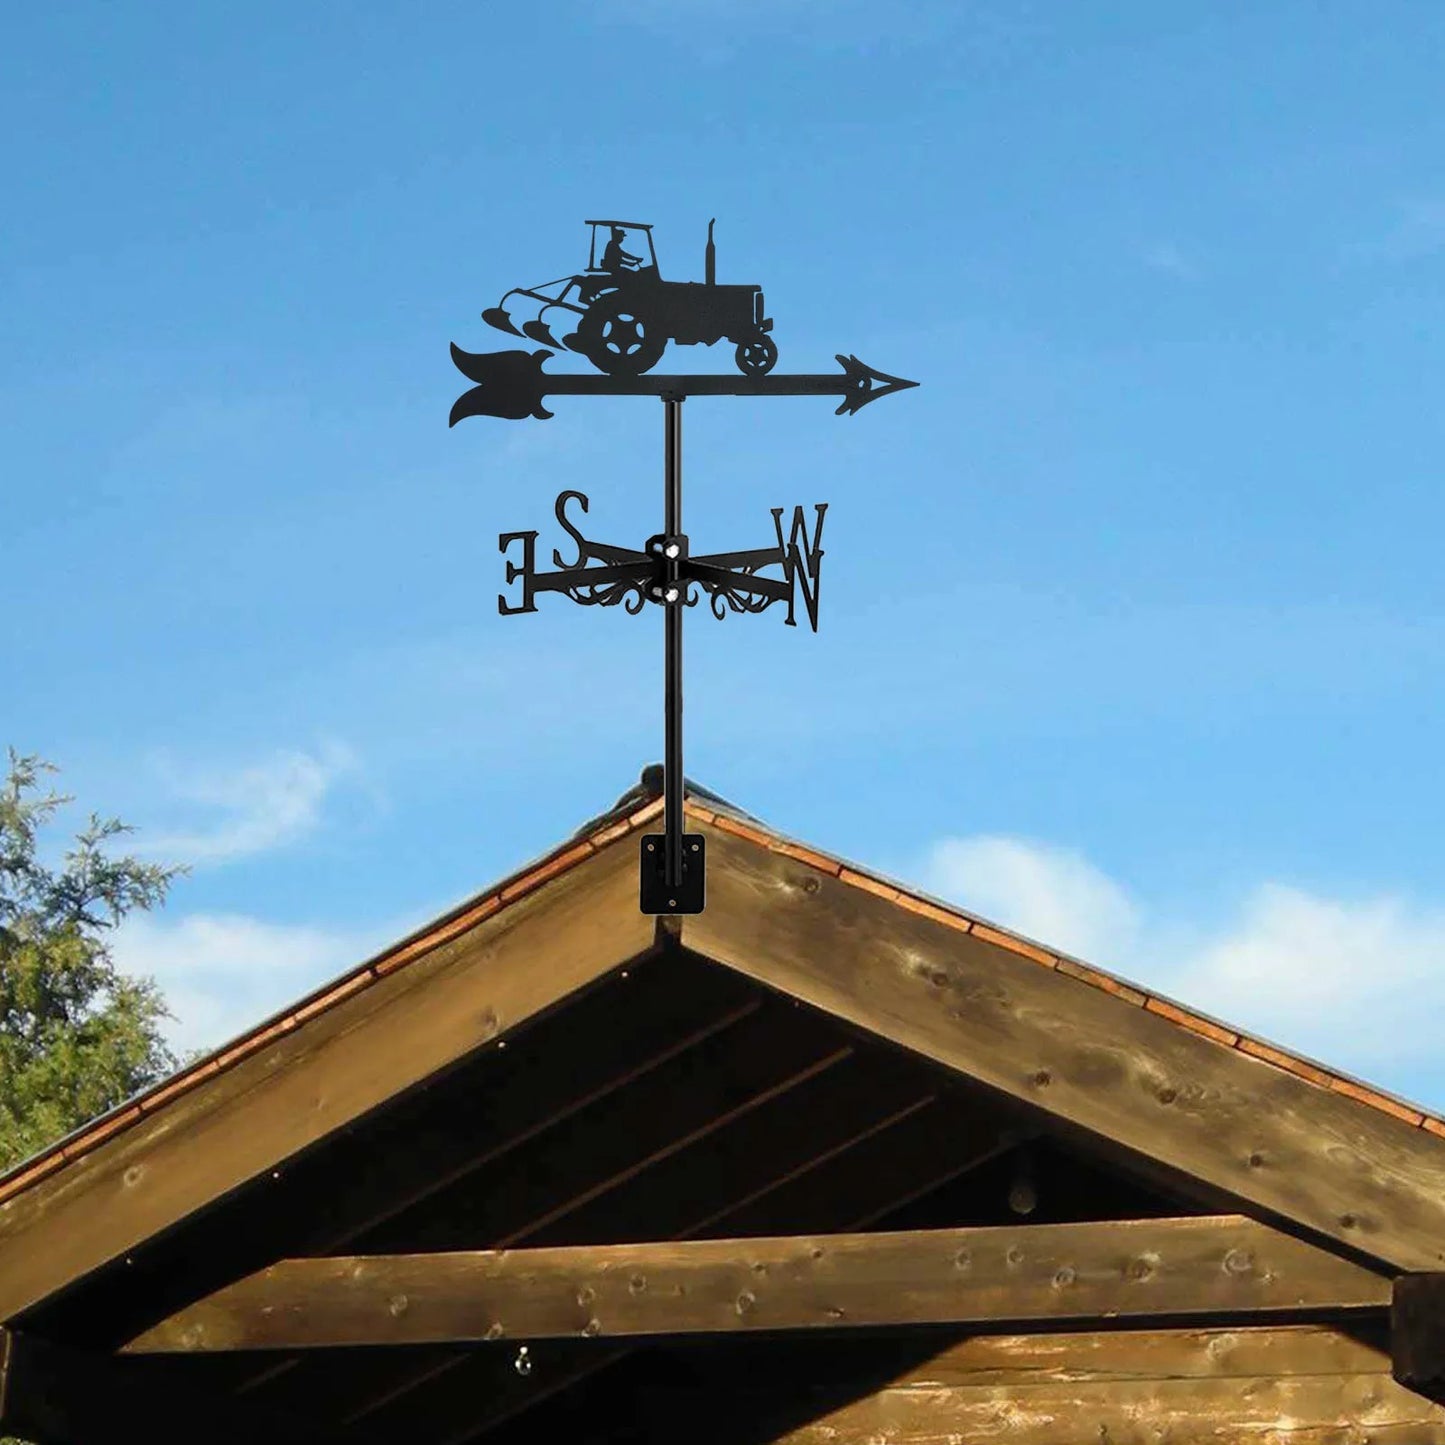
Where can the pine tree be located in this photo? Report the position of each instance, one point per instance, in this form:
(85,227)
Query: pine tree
(77,1037)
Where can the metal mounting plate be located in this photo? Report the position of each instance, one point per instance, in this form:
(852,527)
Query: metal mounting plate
(656,896)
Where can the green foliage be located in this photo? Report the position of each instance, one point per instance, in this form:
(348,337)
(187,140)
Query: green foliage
(76,1036)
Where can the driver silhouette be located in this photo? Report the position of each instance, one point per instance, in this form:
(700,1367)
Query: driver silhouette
(614,258)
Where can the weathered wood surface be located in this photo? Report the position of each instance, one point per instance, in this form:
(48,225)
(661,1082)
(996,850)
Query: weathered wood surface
(52,1395)
(1318,1158)
(820,1175)
(1115,1270)
(345,1061)
(1251,1351)
(1269,1410)
(1417,1333)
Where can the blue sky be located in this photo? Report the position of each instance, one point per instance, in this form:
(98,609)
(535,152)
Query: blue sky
(1132,621)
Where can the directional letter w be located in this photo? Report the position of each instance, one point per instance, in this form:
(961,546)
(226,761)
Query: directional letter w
(801,559)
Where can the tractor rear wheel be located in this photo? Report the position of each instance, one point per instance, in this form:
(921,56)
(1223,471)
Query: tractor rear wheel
(757,355)
(615,339)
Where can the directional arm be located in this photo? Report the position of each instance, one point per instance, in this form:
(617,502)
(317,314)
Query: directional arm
(511,384)
(606,575)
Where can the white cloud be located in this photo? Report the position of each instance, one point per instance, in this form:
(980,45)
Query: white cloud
(1358,983)
(223,972)
(1047,893)
(254,809)
(1354,980)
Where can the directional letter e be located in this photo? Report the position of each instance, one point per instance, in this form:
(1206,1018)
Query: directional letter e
(526,571)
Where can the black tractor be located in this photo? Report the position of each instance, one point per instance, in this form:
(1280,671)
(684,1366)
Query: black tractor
(621,313)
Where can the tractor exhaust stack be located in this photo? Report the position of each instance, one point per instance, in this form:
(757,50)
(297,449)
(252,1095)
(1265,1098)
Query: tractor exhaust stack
(710,258)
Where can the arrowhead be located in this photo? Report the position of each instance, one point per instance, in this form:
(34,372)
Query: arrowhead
(510,384)
(865,384)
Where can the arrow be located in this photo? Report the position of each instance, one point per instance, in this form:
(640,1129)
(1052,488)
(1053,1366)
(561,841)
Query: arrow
(512,384)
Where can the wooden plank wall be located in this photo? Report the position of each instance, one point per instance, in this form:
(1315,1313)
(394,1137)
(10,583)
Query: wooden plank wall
(1301,1385)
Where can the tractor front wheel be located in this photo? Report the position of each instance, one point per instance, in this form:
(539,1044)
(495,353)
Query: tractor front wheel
(757,355)
(615,339)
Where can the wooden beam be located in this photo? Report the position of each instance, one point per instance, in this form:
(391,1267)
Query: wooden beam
(1417,1333)
(53,1395)
(321,1075)
(1209,1267)
(1306,1154)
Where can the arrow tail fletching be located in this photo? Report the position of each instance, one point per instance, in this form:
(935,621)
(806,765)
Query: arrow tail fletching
(510,384)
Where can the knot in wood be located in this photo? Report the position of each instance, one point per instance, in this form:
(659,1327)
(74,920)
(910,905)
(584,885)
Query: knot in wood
(637,1284)
(745,1302)
(1064,1277)
(1142,1268)
(1239,1261)
(397,1306)
(592,1328)
(586,1295)
(811,885)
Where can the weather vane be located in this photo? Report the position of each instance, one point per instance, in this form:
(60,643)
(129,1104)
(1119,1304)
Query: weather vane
(620,314)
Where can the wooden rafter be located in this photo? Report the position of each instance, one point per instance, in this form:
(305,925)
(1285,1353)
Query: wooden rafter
(250,1118)
(1265,1137)
(852,1172)
(1117,1270)
(53,1395)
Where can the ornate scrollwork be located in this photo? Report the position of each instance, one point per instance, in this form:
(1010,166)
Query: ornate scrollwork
(631,595)
(731,599)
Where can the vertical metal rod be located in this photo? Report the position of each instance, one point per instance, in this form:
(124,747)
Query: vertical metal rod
(672,671)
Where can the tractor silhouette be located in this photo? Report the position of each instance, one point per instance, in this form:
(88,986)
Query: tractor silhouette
(622,313)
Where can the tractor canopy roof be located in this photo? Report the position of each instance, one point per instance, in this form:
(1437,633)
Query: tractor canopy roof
(626,225)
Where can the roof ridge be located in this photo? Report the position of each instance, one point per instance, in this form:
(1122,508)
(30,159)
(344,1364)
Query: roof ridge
(640,804)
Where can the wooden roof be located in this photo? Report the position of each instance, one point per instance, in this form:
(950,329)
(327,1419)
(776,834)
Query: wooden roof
(822,1050)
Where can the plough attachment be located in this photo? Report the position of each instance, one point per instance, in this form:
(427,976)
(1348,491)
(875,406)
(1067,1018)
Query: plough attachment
(536,328)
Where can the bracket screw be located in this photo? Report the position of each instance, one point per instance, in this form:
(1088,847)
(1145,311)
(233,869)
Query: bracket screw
(671,550)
